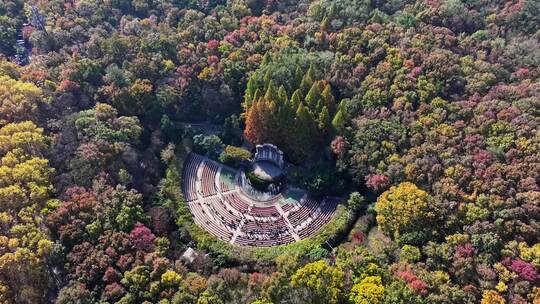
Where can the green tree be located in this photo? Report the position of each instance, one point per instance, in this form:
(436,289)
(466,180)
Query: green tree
(137,281)
(234,155)
(338,122)
(308,79)
(374,98)
(232,132)
(296,99)
(298,75)
(356,201)
(304,127)
(8,34)
(75,293)
(324,123)
(282,96)
(209,298)
(207,144)
(249,94)
(410,254)
(272,93)
(328,98)
(102,123)
(398,292)
(313,96)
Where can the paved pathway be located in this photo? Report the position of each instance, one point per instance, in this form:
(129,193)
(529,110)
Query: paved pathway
(239,229)
(289,225)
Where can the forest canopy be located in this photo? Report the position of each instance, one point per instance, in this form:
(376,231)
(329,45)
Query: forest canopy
(420,116)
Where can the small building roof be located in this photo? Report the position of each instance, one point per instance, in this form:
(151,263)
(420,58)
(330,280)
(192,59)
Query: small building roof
(189,254)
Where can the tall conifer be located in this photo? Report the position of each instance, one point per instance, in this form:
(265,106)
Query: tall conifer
(328,98)
(253,131)
(313,96)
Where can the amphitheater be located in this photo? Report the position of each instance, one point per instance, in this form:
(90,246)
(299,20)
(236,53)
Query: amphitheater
(220,206)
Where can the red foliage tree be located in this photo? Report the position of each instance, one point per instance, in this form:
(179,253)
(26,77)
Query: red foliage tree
(142,238)
(413,281)
(525,270)
(377,181)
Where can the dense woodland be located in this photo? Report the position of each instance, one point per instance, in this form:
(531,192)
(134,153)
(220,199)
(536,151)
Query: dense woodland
(422,115)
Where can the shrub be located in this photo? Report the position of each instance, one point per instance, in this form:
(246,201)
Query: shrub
(234,156)
(410,254)
(320,181)
(257,182)
(209,145)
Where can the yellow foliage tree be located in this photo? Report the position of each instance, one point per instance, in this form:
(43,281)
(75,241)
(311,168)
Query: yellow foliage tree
(369,290)
(25,186)
(404,208)
(530,254)
(24,135)
(492,297)
(170,278)
(323,282)
(18,100)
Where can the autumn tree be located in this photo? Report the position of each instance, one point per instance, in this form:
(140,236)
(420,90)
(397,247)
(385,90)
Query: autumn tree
(103,138)
(272,106)
(368,291)
(18,100)
(86,214)
(322,283)
(492,297)
(406,212)
(254,124)
(25,188)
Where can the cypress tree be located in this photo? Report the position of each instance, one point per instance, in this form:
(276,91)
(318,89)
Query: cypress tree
(266,118)
(267,59)
(324,123)
(283,120)
(274,125)
(267,78)
(298,75)
(311,72)
(296,99)
(254,131)
(286,114)
(304,134)
(257,95)
(313,95)
(328,98)
(319,106)
(339,121)
(271,92)
(282,95)
(307,81)
(250,92)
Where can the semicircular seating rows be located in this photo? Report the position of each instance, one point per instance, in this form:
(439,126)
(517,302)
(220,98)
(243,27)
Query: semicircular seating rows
(219,206)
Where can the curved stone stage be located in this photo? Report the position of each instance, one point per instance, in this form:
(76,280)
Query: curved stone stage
(219,206)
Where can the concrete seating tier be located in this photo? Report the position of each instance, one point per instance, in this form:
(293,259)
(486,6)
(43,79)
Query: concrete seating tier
(189,176)
(229,214)
(209,172)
